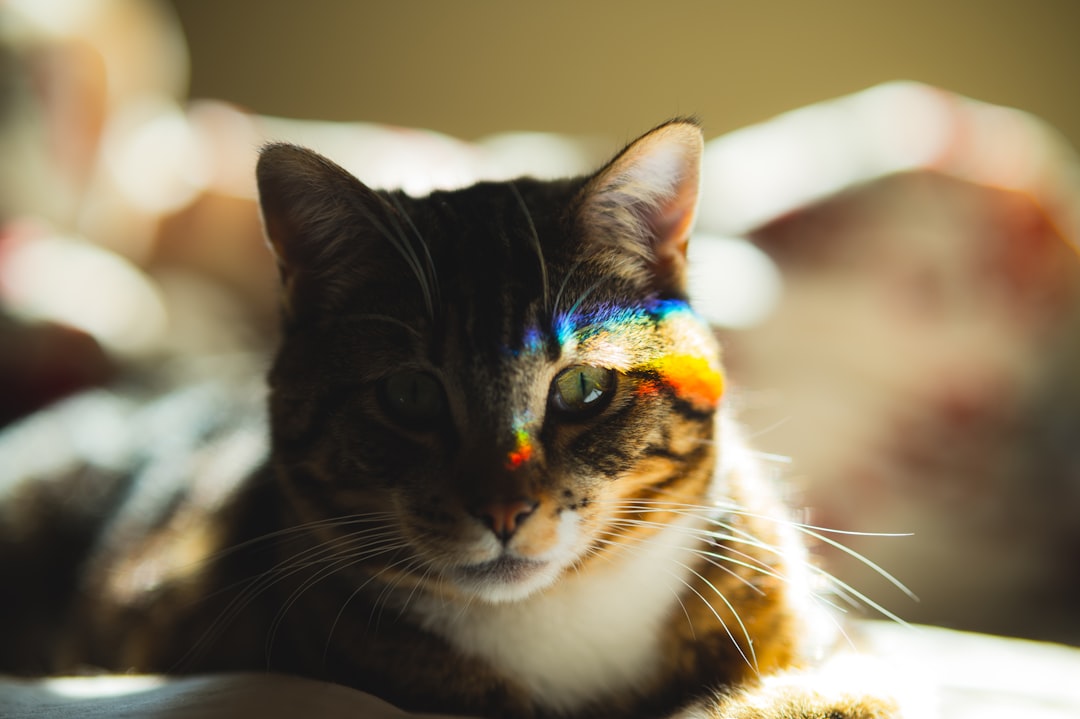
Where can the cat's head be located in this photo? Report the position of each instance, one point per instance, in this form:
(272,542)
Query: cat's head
(489,386)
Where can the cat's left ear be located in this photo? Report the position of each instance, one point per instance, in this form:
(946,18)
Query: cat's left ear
(318,218)
(645,200)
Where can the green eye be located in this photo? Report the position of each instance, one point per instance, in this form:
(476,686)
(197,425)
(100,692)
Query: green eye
(583,389)
(415,399)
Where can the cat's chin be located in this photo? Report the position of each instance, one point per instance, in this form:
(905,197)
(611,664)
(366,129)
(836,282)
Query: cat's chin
(505,579)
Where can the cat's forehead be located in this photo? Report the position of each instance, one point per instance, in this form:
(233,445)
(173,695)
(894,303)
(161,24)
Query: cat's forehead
(499,254)
(513,274)
(493,221)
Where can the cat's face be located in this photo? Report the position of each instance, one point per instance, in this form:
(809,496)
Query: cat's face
(489,385)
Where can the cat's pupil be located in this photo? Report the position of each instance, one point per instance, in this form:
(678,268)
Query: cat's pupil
(414,399)
(589,392)
(582,389)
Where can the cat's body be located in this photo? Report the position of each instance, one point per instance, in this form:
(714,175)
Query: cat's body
(499,480)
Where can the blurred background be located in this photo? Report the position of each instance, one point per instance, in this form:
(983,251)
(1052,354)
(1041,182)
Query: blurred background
(614,68)
(892,265)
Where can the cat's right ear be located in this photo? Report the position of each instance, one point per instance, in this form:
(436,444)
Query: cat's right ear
(643,203)
(313,213)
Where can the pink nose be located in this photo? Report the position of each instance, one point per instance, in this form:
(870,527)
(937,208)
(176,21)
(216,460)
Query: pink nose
(504,518)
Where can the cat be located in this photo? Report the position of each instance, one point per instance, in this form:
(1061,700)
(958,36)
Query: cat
(497,475)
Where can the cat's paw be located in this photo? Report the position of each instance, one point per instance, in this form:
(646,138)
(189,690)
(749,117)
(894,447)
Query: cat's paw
(843,689)
(793,702)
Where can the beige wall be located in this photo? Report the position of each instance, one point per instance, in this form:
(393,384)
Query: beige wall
(471,67)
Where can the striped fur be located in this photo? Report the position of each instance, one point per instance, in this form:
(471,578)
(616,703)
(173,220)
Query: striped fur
(437,523)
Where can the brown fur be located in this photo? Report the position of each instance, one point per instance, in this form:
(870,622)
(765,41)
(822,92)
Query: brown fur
(382,520)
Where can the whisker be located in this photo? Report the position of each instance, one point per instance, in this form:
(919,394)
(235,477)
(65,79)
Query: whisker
(752,660)
(621,545)
(769,428)
(818,533)
(380,601)
(534,236)
(753,563)
(349,319)
(867,601)
(649,504)
(712,609)
(408,570)
(772,457)
(582,297)
(340,561)
(404,248)
(310,554)
(416,584)
(255,586)
(759,566)
(337,618)
(565,281)
(342,521)
(432,278)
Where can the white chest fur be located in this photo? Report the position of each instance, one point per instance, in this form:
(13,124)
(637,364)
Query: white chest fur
(589,635)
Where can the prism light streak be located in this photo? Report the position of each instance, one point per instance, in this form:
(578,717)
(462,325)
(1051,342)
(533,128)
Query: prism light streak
(693,378)
(523,446)
(664,336)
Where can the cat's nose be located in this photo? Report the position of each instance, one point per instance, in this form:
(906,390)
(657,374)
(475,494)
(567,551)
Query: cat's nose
(504,518)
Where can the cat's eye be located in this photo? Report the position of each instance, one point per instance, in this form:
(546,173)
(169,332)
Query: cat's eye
(582,390)
(414,399)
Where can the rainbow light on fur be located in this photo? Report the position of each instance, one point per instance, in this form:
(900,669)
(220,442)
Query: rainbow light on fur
(664,336)
(523,447)
(693,378)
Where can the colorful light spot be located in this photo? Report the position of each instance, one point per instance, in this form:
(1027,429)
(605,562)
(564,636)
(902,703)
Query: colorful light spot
(663,336)
(648,387)
(523,447)
(533,341)
(693,378)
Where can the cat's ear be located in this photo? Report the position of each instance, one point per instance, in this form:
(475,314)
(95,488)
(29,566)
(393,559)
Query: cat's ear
(315,214)
(645,200)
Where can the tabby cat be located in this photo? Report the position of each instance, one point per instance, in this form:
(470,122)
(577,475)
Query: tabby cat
(498,479)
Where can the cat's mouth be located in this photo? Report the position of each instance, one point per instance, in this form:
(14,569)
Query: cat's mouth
(505,578)
(505,568)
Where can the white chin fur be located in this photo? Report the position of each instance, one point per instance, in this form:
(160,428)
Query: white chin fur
(501,591)
(576,629)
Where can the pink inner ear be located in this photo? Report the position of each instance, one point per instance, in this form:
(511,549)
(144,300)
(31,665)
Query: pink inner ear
(670,224)
(648,197)
(275,228)
(670,168)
